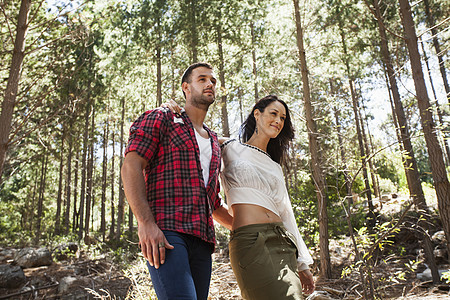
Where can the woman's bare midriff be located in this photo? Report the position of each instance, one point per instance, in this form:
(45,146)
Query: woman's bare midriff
(247,214)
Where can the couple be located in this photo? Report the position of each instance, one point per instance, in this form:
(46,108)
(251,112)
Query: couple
(171,181)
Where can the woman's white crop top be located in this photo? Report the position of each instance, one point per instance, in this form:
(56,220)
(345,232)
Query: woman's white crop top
(250,176)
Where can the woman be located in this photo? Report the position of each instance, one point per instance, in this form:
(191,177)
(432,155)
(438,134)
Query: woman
(268,256)
(264,238)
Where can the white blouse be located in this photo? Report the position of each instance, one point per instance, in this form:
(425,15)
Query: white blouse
(250,176)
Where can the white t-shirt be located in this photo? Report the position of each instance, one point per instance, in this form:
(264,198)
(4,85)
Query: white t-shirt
(204,146)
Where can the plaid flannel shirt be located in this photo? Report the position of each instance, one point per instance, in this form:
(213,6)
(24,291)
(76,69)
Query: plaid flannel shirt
(174,182)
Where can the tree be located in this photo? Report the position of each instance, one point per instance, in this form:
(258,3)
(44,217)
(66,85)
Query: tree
(355,105)
(437,47)
(316,171)
(9,100)
(441,183)
(60,186)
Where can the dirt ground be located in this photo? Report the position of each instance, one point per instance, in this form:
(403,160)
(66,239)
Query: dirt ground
(85,276)
(101,279)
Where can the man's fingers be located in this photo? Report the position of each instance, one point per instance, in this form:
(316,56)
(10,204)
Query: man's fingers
(145,252)
(155,252)
(162,250)
(162,254)
(167,245)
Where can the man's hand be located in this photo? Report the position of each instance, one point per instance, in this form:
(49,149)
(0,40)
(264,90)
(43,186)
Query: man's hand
(153,244)
(222,216)
(307,281)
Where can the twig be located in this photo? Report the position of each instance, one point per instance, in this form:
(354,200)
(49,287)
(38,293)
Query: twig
(33,289)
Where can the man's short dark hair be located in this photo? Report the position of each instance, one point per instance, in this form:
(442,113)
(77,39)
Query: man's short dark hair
(187,74)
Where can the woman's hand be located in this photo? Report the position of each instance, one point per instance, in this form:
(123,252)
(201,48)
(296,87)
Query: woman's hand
(307,281)
(173,106)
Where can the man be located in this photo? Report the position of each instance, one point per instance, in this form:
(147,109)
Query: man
(175,202)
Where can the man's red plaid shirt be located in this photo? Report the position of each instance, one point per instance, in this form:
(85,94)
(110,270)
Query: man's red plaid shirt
(174,182)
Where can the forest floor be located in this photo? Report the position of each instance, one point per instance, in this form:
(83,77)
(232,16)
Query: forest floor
(98,276)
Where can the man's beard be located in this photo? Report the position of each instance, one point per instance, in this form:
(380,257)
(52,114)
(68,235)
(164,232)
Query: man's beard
(202,102)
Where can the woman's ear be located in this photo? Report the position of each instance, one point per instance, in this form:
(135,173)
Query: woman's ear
(256,114)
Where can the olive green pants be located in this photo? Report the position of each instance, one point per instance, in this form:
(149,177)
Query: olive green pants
(263,258)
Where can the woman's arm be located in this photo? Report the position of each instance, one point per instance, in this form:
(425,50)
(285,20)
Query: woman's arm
(173,106)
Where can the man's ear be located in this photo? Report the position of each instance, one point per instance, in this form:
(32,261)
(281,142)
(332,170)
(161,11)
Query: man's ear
(185,87)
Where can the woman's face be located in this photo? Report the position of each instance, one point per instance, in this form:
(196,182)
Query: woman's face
(271,121)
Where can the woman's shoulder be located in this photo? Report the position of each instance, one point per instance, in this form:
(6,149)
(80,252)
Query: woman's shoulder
(223,141)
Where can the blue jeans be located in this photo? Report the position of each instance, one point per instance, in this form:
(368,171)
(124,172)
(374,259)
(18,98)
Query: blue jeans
(186,272)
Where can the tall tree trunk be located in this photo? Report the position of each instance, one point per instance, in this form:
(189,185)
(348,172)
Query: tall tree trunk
(436,104)
(9,100)
(441,183)
(41,197)
(241,114)
(174,79)
(317,174)
(120,207)
(371,149)
(371,216)
(437,47)
(223,102)
(32,204)
(90,176)
(255,73)
(76,214)
(355,105)
(193,31)
(424,220)
(367,146)
(84,171)
(410,164)
(348,184)
(68,182)
(60,185)
(113,183)
(158,69)
(104,179)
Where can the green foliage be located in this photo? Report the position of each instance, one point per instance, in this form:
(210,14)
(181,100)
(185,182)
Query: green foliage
(387,186)
(371,244)
(387,165)
(446,276)
(10,227)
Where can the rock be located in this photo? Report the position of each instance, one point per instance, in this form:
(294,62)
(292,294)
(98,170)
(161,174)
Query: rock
(64,251)
(441,255)
(7,255)
(439,237)
(65,284)
(11,276)
(320,295)
(426,275)
(29,257)
(72,287)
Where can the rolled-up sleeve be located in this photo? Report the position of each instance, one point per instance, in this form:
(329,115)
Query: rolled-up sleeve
(145,134)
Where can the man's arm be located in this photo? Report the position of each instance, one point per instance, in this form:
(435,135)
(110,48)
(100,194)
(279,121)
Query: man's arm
(150,236)
(222,216)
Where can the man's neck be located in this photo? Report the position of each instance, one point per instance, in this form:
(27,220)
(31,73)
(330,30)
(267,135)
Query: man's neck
(196,115)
